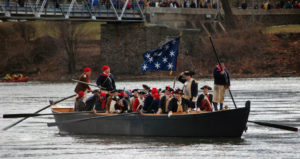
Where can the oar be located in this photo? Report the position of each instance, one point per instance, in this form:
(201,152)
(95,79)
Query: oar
(85,83)
(212,44)
(84,119)
(284,127)
(52,103)
(34,115)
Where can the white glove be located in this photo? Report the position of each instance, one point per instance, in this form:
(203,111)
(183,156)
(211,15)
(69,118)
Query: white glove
(169,114)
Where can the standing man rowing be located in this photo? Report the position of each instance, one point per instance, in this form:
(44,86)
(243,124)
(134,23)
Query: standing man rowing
(221,83)
(106,81)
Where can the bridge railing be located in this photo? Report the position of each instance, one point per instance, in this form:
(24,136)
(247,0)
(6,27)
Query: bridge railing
(83,10)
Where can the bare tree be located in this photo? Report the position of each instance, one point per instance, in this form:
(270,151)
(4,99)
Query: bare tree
(70,34)
(229,18)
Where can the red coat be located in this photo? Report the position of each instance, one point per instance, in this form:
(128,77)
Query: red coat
(135,104)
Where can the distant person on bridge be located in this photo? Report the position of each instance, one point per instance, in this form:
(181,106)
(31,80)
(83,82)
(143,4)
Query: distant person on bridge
(221,83)
(84,77)
(106,81)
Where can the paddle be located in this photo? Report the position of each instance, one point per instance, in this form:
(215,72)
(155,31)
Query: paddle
(51,103)
(34,115)
(84,119)
(284,127)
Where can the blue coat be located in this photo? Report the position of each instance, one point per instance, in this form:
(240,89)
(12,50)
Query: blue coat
(221,79)
(92,102)
(147,102)
(106,82)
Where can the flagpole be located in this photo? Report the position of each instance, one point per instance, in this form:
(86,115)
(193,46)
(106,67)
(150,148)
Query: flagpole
(178,48)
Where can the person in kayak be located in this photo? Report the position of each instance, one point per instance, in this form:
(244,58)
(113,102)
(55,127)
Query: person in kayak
(106,81)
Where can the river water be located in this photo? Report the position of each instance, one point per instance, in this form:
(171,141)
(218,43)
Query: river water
(274,100)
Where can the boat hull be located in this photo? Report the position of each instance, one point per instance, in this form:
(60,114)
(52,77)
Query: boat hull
(229,123)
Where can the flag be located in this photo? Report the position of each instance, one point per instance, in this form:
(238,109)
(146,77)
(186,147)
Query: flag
(162,58)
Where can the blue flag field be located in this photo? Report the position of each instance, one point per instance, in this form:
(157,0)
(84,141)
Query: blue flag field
(162,58)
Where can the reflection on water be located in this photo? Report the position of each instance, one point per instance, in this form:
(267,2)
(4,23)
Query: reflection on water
(273,99)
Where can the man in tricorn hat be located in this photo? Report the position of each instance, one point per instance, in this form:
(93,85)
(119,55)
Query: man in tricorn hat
(178,104)
(106,81)
(190,89)
(205,100)
(165,100)
(221,83)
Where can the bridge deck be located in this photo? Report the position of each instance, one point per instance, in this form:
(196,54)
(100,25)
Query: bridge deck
(70,11)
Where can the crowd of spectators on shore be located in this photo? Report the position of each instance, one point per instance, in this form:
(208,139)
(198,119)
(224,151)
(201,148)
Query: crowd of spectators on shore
(275,4)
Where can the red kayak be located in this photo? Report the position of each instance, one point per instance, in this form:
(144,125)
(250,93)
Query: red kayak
(24,79)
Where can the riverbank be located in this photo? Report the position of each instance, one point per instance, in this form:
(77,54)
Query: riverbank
(253,52)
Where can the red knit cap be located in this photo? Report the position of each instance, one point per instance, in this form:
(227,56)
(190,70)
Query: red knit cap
(154,90)
(87,69)
(80,94)
(105,67)
(103,94)
(156,96)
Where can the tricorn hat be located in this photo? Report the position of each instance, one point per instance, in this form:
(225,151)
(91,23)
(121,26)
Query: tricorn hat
(178,91)
(206,86)
(146,87)
(141,91)
(189,73)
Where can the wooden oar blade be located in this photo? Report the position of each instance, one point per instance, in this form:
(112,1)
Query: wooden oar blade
(284,127)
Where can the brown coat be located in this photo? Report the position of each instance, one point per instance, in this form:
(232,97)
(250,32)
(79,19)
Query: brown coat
(80,86)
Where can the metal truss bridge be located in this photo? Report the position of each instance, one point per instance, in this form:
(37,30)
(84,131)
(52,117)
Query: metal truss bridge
(75,10)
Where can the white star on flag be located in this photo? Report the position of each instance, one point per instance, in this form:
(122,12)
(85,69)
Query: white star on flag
(151,59)
(157,65)
(144,67)
(159,54)
(165,59)
(148,56)
(170,66)
(172,53)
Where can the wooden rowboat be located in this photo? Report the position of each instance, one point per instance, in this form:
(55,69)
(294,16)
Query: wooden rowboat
(227,123)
